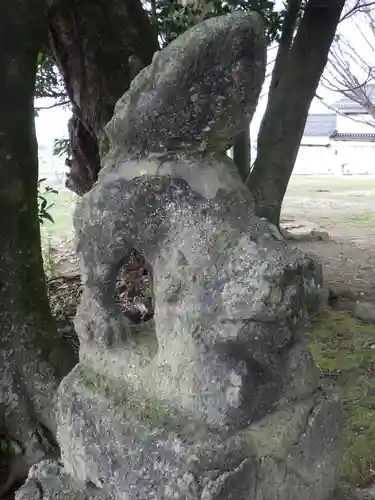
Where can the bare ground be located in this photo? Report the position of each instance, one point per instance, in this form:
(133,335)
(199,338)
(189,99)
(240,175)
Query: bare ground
(345,208)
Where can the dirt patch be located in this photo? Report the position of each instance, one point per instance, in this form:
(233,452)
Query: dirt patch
(346,264)
(345,208)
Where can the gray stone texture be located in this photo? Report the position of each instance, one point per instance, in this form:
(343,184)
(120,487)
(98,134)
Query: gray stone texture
(126,442)
(198,92)
(217,397)
(48,480)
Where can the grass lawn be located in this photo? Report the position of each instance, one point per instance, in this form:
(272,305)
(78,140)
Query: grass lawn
(313,185)
(361,220)
(62,213)
(54,236)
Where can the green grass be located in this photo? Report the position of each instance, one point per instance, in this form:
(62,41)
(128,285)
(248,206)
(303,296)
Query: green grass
(344,350)
(361,220)
(321,185)
(62,214)
(53,234)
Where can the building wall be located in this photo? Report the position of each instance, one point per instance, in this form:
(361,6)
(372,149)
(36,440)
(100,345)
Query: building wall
(358,125)
(339,158)
(356,158)
(317,159)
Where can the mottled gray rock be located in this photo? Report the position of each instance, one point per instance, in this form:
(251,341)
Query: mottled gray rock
(48,480)
(228,297)
(346,492)
(365,311)
(197,94)
(144,448)
(317,296)
(216,397)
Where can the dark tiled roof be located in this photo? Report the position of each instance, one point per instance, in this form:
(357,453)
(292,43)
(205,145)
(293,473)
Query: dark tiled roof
(320,125)
(348,105)
(349,136)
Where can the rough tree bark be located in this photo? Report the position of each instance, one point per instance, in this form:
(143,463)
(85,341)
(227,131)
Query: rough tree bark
(287,32)
(284,120)
(32,355)
(242,152)
(91,43)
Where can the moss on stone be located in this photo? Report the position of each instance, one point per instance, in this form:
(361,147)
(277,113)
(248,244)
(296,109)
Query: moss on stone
(151,412)
(344,350)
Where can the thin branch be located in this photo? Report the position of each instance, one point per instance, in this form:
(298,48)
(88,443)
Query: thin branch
(50,94)
(326,84)
(51,106)
(340,113)
(359,6)
(349,71)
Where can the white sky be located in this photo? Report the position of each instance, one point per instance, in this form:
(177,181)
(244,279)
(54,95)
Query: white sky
(52,123)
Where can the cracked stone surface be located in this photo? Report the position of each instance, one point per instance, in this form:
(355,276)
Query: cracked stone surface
(216,397)
(48,480)
(143,448)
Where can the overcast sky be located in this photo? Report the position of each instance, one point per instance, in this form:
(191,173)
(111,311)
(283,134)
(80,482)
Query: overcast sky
(52,123)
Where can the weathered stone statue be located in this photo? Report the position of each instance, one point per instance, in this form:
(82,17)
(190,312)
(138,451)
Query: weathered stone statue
(217,397)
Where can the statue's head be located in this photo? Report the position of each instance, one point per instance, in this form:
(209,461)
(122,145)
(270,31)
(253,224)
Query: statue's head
(197,94)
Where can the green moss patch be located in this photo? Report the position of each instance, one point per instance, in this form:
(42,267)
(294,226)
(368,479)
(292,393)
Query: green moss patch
(142,409)
(344,350)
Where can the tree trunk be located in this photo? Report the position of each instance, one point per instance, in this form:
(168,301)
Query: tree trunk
(283,124)
(91,42)
(287,32)
(32,356)
(242,153)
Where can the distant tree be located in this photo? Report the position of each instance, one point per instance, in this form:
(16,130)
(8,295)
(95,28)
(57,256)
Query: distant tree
(350,70)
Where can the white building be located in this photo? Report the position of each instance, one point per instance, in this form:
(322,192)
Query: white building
(341,143)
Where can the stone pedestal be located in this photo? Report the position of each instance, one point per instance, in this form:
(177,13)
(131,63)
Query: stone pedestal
(135,447)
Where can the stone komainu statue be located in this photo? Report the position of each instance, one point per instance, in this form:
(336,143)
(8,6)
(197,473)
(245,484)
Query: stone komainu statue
(217,397)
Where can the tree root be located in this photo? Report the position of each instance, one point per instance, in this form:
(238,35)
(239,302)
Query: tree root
(311,236)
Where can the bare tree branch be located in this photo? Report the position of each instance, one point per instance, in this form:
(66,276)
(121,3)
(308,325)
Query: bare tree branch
(51,106)
(359,6)
(331,107)
(351,68)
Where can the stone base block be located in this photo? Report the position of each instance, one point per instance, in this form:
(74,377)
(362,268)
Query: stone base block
(135,448)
